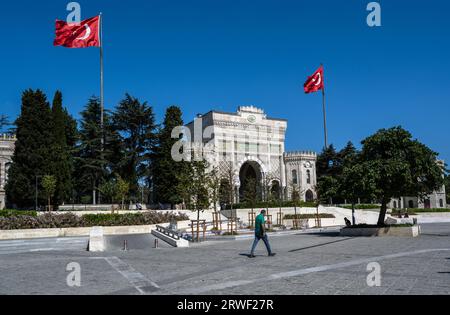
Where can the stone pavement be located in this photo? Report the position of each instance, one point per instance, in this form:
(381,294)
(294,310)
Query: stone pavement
(322,263)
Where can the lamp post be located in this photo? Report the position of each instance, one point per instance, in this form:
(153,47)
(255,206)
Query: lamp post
(36,195)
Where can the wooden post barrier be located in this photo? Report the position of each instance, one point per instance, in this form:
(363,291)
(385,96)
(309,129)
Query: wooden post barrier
(195,226)
(251,219)
(280,219)
(217,221)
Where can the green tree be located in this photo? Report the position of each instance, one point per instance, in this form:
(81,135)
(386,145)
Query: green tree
(327,188)
(165,172)
(95,159)
(32,155)
(447,187)
(250,192)
(4,121)
(214,187)
(194,184)
(108,190)
(122,190)
(401,166)
(62,160)
(356,182)
(49,184)
(135,123)
(327,161)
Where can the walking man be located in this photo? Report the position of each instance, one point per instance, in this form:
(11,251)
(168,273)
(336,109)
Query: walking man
(260,234)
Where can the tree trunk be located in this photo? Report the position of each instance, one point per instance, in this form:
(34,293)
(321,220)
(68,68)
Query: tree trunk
(49,204)
(198,226)
(383,211)
(353,213)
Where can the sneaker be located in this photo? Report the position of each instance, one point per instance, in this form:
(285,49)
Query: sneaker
(272,254)
(251,256)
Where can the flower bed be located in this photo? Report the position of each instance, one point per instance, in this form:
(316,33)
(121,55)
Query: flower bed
(69,220)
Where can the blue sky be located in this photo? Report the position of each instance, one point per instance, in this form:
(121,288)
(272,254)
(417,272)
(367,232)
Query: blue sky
(219,54)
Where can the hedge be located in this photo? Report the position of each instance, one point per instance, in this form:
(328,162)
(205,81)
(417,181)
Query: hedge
(14,213)
(70,220)
(309,216)
(264,205)
(363,207)
(412,211)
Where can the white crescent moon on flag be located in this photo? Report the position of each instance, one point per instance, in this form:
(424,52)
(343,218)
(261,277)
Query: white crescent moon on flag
(87,34)
(319,81)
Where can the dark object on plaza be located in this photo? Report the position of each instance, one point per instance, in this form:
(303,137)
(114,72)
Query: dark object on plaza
(406,215)
(347,222)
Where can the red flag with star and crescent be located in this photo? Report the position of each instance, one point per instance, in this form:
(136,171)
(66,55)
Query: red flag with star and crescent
(315,82)
(78,35)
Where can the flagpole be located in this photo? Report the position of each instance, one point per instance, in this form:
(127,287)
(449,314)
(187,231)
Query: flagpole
(324,116)
(102,95)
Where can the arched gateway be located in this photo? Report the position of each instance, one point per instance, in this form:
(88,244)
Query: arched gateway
(249,146)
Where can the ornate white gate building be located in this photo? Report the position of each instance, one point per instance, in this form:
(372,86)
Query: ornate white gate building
(249,144)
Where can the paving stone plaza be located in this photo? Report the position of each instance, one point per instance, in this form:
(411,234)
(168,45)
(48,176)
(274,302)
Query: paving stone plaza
(306,263)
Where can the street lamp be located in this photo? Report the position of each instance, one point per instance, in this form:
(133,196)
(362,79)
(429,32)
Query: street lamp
(36,196)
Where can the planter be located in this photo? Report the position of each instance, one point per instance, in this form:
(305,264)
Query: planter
(77,232)
(410,231)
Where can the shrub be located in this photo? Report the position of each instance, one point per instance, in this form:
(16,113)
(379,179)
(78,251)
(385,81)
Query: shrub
(14,213)
(67,220)
(413,211)
(273,204)
(309,216)
(363,207)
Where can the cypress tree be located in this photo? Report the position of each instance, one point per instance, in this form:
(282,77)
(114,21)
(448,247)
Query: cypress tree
(166,173)
(32,155)
(62,167)
(135,124)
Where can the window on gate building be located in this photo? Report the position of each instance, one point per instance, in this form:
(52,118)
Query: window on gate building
(294,177)
(441,203)
(308,177)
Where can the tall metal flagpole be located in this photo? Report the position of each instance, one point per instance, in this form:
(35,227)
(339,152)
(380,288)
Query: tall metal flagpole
(324,115)
(102,95)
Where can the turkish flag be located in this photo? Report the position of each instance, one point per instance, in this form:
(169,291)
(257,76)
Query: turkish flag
(315,82)
(78,35)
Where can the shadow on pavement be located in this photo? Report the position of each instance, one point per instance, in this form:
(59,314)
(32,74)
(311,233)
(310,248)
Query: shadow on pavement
(319,245)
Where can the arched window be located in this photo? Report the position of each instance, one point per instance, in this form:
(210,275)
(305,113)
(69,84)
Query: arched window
(411,204)
(308,177)
(441,203)
(395,204)
(309,196)
(294,177)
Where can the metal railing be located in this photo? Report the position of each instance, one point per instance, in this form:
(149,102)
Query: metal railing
(168,232)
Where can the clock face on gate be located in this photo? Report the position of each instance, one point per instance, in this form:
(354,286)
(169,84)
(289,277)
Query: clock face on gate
(308,165)
(251,119)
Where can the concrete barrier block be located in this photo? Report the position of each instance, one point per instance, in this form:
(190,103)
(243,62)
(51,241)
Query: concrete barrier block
(96,240)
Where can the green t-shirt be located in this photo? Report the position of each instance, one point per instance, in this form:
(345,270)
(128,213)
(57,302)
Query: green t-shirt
(259,224)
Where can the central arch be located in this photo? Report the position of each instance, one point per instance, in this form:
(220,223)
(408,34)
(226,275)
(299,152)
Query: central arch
(250,176)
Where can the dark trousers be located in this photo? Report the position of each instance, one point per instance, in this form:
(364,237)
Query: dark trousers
(266,242)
